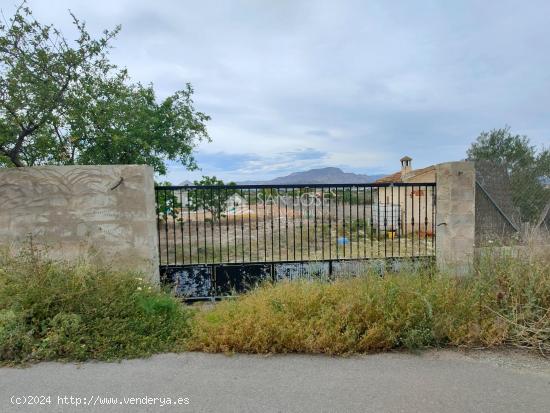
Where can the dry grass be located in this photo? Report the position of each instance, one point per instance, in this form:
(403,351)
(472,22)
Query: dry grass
(51,310)
(506,301)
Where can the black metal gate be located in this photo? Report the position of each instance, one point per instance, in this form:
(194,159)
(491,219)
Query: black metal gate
(220,240)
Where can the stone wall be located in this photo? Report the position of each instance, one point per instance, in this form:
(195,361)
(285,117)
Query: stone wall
(75,211)
(455,215)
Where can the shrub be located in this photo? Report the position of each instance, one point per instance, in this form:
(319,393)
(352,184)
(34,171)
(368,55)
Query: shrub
(52,310)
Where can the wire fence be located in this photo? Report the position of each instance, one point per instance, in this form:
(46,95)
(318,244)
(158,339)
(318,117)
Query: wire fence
(510,208)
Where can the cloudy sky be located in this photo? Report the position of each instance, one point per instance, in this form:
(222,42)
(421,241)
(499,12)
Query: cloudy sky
(292,85)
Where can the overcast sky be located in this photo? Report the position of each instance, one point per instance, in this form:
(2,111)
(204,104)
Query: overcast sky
(292,85)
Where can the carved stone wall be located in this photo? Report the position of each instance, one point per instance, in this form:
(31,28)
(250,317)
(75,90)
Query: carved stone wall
(75,211)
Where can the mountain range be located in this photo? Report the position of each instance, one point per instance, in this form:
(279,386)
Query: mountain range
(328,175)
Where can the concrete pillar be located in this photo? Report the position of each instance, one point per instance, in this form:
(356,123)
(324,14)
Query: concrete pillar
(103,212)
(455,216)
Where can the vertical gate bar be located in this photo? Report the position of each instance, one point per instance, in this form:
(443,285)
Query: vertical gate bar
(308,219)
(412,220)
(242,222)
(279,220)
(265,236)
(219,219)
(235,256)
(392,219)
(287,245)
(378,194)
(322,223)
(315,219)
(249,227)
(257,227)
(272,235)
(293,226)
(426,221)
(400,223)
(350,223)
(344,221)
(329,223)
(434,216)
(301,226)
(189,226)
(166,226)
(419,220)
(205,235)
(415,225)
(173,199)
(405,224)
(336,208)
(402,218)
(181,227)
(212,209)
(385,223)
(364,221)
(157,204)
(357,219)
(226,198)
(371,254)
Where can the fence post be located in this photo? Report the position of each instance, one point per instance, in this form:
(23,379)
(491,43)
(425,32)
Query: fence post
(455,216)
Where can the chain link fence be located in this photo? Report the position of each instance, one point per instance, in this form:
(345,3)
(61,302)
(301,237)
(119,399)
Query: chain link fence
(511,209)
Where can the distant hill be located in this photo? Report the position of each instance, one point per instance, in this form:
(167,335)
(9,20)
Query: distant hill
(328,175)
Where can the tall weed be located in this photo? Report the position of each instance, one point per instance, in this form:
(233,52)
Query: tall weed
(506,301)
(52,310)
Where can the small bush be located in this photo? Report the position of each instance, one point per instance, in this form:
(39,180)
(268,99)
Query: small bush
(51,310)
(507,301)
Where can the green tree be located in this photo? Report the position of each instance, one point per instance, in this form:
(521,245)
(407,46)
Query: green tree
(213,198)
(65,103)
(528,168)
(167,201)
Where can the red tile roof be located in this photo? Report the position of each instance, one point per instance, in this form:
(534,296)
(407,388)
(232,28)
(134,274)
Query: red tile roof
(396,177)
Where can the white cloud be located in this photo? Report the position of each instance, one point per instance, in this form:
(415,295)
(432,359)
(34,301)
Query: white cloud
(362,82)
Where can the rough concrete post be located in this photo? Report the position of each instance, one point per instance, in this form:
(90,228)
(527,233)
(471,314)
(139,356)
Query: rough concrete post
(455,215)
(106,213)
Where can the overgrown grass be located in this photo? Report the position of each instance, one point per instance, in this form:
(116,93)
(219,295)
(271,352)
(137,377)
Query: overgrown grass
(59,311)
(62,311)
(507,301)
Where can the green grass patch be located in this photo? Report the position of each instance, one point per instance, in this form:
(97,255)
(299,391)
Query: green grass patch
(58,311)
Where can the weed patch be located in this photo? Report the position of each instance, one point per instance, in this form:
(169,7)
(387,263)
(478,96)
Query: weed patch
(58,311)
(507,301)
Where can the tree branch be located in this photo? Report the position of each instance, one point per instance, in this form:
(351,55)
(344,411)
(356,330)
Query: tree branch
(14,159)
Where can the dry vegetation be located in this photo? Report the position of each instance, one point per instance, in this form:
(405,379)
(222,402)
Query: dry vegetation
(506,301)
(52,311)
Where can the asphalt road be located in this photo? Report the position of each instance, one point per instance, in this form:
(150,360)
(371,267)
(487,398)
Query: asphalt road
(436,381)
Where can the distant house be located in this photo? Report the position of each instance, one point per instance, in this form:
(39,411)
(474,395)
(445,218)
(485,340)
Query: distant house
(414,205)
(407,174)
